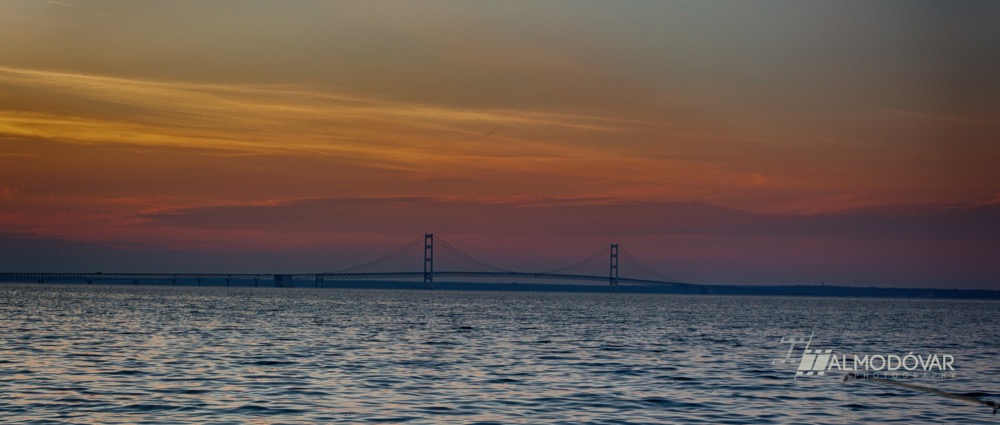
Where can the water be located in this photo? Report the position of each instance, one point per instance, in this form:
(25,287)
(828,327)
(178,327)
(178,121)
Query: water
(110,354)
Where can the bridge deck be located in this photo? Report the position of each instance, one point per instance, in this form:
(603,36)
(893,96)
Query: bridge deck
(506,276)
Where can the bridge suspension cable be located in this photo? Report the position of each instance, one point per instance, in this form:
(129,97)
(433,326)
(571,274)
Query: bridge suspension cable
(451,248)
(635,261)
(399,264)
(383,258)
(597,256)
(454,260)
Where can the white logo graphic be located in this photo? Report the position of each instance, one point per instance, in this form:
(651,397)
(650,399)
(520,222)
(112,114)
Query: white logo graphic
(819,362)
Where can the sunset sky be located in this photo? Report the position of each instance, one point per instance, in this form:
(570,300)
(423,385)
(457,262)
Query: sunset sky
(780,142)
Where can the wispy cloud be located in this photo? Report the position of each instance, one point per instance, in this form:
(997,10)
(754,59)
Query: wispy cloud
(496,150)
(80,108)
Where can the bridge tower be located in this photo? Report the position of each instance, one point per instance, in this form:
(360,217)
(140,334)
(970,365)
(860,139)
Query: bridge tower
(428,260)
(613,269)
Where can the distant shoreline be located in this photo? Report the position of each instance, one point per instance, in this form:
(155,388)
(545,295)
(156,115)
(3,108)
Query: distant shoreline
(776,290)
(693,289)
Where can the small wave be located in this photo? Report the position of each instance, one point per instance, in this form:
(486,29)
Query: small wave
(856,406)
(503,381)
(271,363)
(264,410)
(146,408)
(126,372)
(77,401)
(977,394)
(437,409)
(668,403)
(392,419)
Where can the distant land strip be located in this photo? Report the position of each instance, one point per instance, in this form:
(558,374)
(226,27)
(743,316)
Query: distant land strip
(298,281)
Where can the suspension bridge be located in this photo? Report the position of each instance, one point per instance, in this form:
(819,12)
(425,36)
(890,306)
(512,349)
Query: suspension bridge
(402,264)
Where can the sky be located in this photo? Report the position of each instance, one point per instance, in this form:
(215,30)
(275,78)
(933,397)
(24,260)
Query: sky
(777,142)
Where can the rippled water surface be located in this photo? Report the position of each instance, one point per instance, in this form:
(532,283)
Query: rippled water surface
(107,354)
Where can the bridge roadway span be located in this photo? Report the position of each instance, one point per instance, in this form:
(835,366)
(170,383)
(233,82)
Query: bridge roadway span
(313,277)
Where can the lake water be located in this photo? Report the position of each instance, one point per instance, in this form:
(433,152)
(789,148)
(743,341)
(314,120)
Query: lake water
(135,355)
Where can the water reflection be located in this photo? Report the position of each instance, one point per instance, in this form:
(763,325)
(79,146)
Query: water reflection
(104,354)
